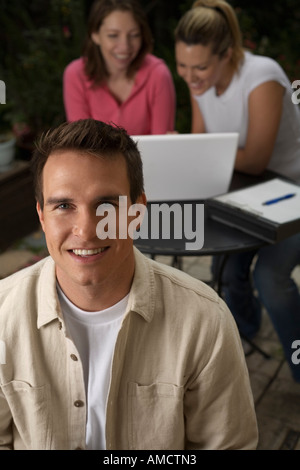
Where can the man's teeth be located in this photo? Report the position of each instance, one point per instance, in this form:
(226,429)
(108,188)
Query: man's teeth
(88,252)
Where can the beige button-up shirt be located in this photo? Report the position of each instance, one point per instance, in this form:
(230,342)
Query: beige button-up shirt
(179,378)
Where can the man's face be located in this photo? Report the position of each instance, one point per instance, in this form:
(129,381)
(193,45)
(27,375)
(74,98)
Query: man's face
(74,185)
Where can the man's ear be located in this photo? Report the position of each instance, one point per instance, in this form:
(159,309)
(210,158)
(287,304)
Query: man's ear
(40,214)
(142,199)
(140,207)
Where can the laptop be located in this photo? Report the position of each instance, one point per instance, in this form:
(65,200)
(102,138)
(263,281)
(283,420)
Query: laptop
(180,167)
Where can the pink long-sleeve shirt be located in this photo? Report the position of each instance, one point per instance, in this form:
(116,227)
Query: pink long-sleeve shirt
(150,108)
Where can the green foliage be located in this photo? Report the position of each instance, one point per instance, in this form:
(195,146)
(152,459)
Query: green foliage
(272,29)
(39,40)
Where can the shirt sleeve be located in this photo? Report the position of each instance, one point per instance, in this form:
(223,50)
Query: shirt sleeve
(219,405)
(162,100)
(264,69)
(74,92)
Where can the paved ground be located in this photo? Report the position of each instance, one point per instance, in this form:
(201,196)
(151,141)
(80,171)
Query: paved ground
(276,395)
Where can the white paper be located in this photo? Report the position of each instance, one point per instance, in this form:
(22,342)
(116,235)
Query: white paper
(252,200)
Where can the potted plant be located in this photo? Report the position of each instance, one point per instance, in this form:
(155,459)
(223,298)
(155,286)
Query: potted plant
(7,139)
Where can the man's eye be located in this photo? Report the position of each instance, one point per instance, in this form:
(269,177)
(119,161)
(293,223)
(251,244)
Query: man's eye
(63,206)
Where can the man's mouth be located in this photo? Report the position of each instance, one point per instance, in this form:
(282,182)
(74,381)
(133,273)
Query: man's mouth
(88,252)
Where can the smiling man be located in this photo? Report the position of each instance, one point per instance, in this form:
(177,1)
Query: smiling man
(94,273)
(103,347)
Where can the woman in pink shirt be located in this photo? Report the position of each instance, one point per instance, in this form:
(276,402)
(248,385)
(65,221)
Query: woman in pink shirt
(117,80)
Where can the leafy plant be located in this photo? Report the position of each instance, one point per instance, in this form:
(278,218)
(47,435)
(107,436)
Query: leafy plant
(39,40)
(272,32)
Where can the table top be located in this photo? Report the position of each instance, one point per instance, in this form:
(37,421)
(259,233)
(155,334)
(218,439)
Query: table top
(218,238)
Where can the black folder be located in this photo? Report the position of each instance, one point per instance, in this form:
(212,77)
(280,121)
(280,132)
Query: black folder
(269,211)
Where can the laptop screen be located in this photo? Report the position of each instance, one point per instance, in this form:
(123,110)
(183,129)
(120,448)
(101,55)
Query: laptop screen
(181,167)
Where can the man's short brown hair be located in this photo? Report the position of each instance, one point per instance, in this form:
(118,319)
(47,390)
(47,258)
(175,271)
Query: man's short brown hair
(91,137)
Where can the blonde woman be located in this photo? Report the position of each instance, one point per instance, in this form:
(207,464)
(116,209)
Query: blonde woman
(235,91)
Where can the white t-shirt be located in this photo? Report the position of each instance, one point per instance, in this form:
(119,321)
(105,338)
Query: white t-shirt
(94,335)
(229,111)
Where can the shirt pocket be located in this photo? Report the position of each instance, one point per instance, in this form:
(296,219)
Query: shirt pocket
(30,407)
(156,417)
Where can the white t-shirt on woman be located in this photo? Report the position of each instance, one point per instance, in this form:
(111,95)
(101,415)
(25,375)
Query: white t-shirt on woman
(229,111)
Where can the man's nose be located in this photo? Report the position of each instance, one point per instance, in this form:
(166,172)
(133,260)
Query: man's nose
(85,225)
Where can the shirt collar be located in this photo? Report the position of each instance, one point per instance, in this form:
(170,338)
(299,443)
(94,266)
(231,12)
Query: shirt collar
(142,293)
(141,297)
(48,305)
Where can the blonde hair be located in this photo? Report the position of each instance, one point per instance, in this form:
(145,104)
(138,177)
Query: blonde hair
(212,23)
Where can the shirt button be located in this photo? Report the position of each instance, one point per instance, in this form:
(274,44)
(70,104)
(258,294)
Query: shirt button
(75,358)
(78,403)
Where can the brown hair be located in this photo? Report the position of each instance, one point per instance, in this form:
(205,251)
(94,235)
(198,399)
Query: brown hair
(214,23)
(91,137)
(95,67)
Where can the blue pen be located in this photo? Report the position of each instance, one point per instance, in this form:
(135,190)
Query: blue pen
(278,199)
